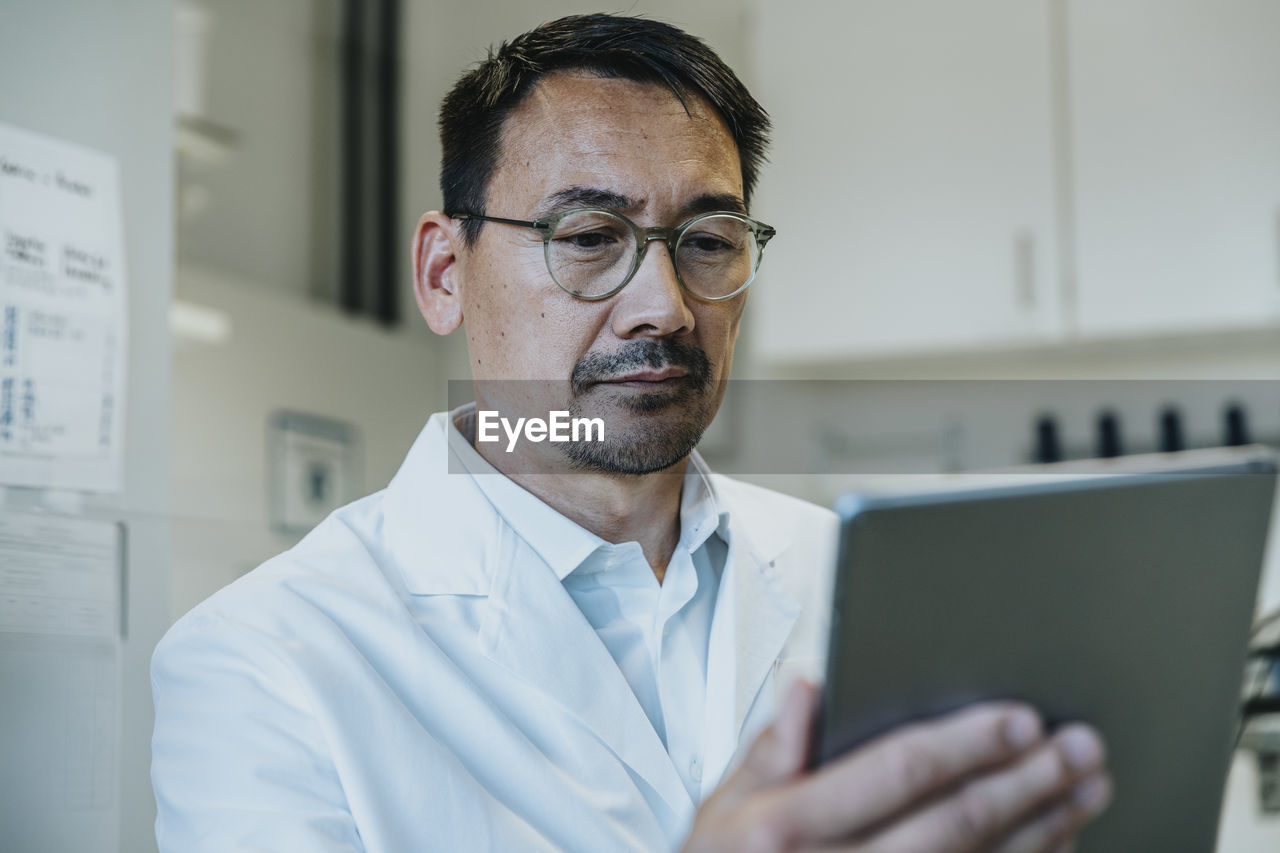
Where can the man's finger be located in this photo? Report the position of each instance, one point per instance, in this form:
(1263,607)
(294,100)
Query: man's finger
(1003,801)
(902,768)
(1055,829)
(981,811)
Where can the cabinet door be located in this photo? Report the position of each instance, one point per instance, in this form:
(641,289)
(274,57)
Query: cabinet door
(1176,116)
(911,177)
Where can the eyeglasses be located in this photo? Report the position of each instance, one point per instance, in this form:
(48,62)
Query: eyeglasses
(593,253)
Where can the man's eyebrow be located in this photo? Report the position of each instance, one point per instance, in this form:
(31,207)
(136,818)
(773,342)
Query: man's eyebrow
(572,197)
(579,196)
(714,201)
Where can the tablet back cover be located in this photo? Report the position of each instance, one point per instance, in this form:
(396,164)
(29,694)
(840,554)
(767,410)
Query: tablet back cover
(1123,602)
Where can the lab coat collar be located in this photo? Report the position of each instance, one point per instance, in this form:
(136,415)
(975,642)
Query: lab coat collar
(561,543)
(438,527)
(442,509)
(445,537)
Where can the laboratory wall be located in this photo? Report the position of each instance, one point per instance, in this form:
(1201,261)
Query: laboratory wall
(256,101)
(277,354)
(256,327)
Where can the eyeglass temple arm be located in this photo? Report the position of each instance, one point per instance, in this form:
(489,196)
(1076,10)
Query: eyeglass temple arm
(537,223)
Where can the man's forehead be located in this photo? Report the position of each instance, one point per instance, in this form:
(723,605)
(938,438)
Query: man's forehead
(575,121)
(564,92)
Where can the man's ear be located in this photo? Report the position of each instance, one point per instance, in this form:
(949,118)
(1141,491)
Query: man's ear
(435,272)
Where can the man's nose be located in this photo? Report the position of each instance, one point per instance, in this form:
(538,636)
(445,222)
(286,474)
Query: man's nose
(653,304)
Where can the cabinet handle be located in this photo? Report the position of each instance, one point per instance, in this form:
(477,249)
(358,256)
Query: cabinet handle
(1024,270)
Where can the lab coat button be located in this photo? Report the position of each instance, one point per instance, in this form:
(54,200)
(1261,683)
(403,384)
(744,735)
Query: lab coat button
(695,770)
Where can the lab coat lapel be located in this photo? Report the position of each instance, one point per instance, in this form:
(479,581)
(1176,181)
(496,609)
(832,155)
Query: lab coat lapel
(534,629)
(433,517)
(754,616)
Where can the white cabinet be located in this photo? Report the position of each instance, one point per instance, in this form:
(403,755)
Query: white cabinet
(1175,118)
(950,177)
(911,177)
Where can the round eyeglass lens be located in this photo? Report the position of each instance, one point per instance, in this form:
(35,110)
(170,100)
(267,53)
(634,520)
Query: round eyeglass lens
(590,252)
(717,255)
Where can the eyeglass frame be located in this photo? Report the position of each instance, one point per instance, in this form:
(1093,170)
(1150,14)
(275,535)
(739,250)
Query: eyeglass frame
(670,236)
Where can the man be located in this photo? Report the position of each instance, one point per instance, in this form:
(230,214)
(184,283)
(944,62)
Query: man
(531,644)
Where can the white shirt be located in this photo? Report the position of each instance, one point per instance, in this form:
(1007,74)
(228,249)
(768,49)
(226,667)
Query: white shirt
(414,675)
(657,633)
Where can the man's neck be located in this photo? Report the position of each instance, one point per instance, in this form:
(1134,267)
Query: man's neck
(643,508)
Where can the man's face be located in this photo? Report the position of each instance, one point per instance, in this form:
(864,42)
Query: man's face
(650,360)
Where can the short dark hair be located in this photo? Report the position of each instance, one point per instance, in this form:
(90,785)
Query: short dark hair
(474,112)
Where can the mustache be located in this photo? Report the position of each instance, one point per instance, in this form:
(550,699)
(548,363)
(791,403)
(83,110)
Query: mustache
(657,354)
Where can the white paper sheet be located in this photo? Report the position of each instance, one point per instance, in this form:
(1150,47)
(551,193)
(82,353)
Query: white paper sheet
(59,576)
(59,682)
(62,315)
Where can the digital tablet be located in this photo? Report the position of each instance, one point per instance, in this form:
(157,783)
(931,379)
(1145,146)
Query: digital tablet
(1123,601)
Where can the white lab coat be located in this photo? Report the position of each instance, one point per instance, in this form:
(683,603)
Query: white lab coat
(412,677)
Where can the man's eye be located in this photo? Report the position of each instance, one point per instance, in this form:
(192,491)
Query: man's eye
(587,240)
(708,243)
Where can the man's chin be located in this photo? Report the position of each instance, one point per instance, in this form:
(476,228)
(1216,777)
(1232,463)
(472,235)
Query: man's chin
(643,433)
(624,458)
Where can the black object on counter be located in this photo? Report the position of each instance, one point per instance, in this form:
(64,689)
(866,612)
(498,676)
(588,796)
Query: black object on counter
(1235,426)
(1171,439)
(1048,448)
(1110,444)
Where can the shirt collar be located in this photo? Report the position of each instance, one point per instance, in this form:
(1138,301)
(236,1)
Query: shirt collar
(700,512)
(563,544)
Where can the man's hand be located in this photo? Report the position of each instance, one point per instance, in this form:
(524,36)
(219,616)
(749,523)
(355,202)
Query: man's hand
(982,779)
